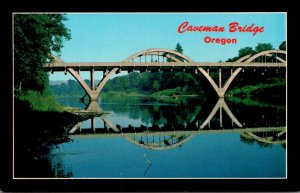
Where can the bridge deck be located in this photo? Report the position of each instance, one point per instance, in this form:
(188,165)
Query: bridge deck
(179,132)
(154,65)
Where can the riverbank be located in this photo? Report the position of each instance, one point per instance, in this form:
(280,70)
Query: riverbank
(171,96)
(39,119)
(273,93)
(38,128)
(163,93)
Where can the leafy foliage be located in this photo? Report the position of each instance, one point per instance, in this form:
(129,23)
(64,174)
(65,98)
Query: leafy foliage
(263,47)
(282,46)
(39,101)
(35,37)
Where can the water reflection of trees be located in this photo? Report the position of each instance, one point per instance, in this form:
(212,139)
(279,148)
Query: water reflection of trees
(153,111)
(165,118)
(265,139)
(35,135)
(255,116)
(160,111)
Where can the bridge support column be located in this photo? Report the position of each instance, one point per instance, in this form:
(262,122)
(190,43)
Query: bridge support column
(230,80)
(90,90)
(221,118)
(220,105)
(93,124)
(92,79)
(217,88)
(220,90)
(220,78)
(93,106)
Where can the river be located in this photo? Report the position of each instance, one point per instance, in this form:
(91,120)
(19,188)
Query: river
(187,137)
(177,137)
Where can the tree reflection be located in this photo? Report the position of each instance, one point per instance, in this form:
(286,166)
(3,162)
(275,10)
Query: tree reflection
(264,139)
(246,139)
(35,136)
(186,116)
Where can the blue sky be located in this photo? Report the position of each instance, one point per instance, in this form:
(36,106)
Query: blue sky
(114,37)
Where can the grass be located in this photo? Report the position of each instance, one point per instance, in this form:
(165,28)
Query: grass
(121,93)
(176,95)
(262,95)
(39,101)
(168,92)
(173,92)
(248,90)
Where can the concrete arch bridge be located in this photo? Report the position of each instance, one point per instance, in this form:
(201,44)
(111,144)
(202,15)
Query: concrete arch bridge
(159,59)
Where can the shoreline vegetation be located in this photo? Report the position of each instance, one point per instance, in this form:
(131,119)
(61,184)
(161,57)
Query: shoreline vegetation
(46,102)
(40,124)
(248,95)
(253,95)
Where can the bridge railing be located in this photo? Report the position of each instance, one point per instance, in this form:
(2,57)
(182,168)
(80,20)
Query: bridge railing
(164,65)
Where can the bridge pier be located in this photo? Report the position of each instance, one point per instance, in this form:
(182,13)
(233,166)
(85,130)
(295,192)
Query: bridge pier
(91,91)
(93,106)
(220,105)
(93,126)
(92,79)
(220,78)
(218,88)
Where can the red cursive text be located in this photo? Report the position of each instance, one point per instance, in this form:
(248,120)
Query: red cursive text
(190,28)
(234,26)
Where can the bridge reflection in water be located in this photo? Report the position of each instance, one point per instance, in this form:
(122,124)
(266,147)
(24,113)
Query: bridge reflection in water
(169,135)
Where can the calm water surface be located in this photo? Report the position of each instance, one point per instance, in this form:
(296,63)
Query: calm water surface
(150,138)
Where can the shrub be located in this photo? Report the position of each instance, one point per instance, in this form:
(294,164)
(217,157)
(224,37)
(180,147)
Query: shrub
(39,101)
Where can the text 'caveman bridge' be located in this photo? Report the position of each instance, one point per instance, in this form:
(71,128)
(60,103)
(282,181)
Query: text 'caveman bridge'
(166,60)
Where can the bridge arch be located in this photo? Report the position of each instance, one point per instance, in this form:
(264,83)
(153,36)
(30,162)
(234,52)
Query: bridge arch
(154,51)
(76,75)
(266,53)
(160,52)
(164,144)
(267,140)
(56,59)
(250,58)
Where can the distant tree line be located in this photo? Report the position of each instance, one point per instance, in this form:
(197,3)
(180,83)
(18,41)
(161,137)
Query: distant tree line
(71,88)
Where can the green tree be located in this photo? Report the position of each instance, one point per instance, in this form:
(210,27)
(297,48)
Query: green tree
(282,46)
(155,85)
(242,52)
(178,48)
(35,37)
(263,47)
(245,51)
